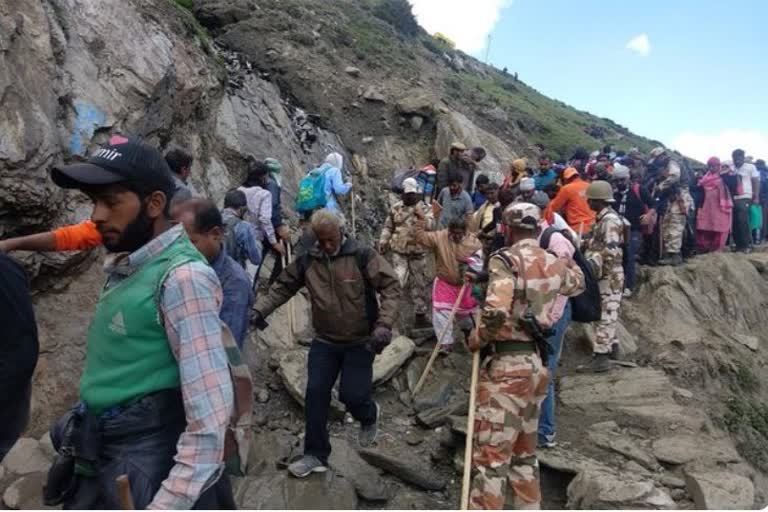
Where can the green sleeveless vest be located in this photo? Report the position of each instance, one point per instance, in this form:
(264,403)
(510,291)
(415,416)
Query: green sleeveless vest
(127,353)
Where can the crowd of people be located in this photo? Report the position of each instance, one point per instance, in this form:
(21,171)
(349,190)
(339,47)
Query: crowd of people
(165,398)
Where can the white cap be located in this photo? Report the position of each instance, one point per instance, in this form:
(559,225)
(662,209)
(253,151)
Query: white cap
(620,171)
(410,185)
(527,184)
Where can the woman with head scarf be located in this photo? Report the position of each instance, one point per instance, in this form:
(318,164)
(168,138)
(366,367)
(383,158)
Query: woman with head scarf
(713,220)
(516,173)
(334,181)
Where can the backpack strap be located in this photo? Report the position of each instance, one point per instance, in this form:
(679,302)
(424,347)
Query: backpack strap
(546,236)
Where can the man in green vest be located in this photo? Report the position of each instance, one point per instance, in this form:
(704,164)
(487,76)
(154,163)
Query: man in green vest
(156,393)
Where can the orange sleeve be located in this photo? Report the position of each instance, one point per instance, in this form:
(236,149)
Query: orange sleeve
(77,237)
(557,204)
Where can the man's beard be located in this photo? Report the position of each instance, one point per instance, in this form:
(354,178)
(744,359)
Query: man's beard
(135,235)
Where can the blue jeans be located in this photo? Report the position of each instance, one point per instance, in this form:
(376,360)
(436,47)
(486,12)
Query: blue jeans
(547,417)
(630,258)
(326,361)
(138,441)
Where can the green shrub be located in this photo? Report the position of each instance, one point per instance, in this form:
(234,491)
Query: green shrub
(186,4)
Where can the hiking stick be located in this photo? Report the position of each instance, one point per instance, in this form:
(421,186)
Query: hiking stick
(661,236)
(581,226)
(354,230)
(291,316)
(470,432)
(435,351)
(124,492)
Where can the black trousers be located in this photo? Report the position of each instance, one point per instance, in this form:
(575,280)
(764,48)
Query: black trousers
(15,421)
(326,362)
(742,236)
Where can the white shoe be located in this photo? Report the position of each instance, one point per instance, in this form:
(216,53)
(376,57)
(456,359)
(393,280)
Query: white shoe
(627,293)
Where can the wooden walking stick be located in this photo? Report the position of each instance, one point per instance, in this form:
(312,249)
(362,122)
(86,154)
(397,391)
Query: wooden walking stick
(470,432)
(124,492)
(291,310)
(467,477)
(433,356)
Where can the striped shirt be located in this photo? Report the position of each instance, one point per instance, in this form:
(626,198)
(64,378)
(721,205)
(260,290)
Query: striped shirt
(189,304)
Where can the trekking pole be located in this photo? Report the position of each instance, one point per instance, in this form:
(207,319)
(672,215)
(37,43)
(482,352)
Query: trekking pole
(433,356)
(124,492)
(467,477)
(581,226)
(291,316)
(354,230)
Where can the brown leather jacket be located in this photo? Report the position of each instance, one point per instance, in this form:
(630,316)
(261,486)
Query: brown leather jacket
(337,292)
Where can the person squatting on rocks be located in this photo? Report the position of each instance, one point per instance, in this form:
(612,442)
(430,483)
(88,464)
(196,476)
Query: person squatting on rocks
(605,254)
(409,258)
(156,395)
(453,248)
(675,201)
(523,279)
(19,349)
(343,278)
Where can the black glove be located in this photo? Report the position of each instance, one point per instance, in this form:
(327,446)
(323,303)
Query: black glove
(258,320)
(381,337)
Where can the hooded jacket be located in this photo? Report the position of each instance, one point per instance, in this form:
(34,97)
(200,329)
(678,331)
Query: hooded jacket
(337,292)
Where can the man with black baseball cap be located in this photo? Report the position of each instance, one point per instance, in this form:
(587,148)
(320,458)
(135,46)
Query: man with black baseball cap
(156,394)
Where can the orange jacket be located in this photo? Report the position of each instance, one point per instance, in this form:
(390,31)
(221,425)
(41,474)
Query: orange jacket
(572,201)
(77,237)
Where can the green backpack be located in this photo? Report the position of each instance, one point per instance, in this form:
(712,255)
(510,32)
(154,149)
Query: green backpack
(311,194)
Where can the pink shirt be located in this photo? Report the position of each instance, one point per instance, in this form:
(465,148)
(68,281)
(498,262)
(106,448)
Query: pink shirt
(562,248)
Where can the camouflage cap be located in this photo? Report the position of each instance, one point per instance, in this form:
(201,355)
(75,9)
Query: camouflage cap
(522,215)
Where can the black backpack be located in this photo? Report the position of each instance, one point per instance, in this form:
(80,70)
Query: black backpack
(588,305)
(363,256)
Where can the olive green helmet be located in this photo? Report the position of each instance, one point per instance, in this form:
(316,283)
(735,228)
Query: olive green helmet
(600,190)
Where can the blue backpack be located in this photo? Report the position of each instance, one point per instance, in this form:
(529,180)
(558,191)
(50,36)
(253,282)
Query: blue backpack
(311,194)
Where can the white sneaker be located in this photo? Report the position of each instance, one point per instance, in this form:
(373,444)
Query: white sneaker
(627,293)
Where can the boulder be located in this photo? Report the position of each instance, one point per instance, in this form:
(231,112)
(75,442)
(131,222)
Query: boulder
(277,336)
(608,490)
(319,491)
(364,477)
(436,416)
(417,103)
(46,445)
(391,359)
(26,457)
(434,394)
(293,370)
(352,71)
(716,489)
(411,470)
(268,451)
(453,126)
(751,342)
(373,94)
(681,449)
(26,493)
(625,446)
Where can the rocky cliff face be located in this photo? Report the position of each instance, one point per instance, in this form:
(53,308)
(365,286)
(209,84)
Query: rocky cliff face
(295,80)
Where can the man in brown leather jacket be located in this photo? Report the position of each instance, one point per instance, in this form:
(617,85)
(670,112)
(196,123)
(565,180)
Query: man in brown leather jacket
(343,279)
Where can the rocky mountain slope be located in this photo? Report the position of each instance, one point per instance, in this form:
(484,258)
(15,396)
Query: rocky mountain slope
(295,79)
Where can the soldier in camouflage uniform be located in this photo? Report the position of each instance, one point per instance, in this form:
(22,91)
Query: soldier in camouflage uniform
(408,256)
(513,381)
(605,254)
(679,201)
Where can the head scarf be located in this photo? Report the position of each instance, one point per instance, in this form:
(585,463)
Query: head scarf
(714,162)
(335,160)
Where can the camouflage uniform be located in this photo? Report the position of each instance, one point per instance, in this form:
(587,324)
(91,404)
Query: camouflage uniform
(513,382)
(408,256)
(673,223)
(605,254)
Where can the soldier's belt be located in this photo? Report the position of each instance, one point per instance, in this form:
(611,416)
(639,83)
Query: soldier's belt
(508,347)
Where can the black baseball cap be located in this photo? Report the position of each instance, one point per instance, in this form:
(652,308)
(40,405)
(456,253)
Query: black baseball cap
(121,160)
